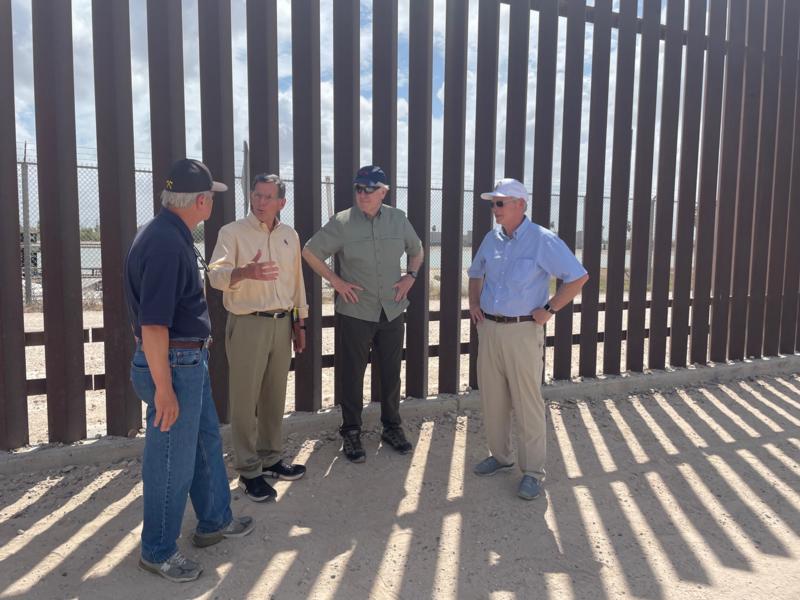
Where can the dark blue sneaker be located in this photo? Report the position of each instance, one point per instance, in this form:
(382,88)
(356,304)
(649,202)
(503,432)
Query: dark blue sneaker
(490,466)
(529,488)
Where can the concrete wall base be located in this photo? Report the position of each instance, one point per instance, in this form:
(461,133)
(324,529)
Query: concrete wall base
(114,449)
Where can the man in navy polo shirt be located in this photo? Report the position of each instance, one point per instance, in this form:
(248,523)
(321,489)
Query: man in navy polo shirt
(169,371)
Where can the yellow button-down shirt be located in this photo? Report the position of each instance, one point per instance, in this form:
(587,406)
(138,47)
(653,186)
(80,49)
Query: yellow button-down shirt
(237,245)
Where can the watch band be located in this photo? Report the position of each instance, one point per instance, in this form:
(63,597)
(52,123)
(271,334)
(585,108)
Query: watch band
(412,273)
(549,308)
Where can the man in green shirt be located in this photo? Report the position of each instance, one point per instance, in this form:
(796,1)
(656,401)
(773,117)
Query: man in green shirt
(369,240)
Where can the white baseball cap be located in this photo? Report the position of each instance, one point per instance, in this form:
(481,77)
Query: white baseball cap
(507,188)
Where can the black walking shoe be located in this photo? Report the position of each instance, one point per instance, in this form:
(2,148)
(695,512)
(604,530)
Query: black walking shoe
(257,489)
(395,437)
(351,445)
(285,471)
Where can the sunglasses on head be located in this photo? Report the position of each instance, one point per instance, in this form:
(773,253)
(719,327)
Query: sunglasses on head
(364,189)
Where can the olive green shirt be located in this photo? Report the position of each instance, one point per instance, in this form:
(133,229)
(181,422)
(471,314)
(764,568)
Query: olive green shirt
(369,253)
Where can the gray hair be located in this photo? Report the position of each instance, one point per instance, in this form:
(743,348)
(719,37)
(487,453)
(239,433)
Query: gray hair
(269,178)
(179,199)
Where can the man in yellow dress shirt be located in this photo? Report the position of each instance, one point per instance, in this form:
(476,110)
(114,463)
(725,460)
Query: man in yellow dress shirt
(264,317)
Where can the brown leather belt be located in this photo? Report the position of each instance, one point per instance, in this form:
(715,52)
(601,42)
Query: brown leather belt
(193,344)
(270,315)
(502,319)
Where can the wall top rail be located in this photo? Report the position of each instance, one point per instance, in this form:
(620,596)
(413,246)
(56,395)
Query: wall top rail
(538,5)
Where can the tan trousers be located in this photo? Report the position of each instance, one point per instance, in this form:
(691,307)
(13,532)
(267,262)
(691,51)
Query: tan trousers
(509,378)
(259,352)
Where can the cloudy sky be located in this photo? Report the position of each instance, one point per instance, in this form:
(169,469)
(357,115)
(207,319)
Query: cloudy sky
(84,85)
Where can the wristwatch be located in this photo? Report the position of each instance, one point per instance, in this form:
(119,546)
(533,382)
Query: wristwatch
(412,273)
(549,308)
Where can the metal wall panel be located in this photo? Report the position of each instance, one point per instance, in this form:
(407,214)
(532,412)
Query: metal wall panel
(59,224)
(167,111)
(262,86)
(791,283)
(13,400)
(726,194)
(307,193)
(455,121)
(595,186)
(765,177)
(620,185)
(117,192)
(642,185)
(745,194)
(665,187)
(517,90)
(778,251)
(545,113)
(570,163)
(420,71)
(485,132)
(688,179)
(346,136)
(216,115)
(384,90)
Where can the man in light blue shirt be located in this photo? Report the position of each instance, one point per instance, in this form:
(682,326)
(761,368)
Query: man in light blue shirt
(509,283)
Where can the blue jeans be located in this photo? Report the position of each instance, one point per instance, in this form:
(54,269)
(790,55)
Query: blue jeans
(184,461)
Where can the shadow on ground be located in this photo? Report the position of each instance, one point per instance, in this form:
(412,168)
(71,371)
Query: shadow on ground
(688,493)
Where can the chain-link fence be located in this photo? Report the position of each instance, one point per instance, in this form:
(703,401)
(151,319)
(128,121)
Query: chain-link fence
(90,230)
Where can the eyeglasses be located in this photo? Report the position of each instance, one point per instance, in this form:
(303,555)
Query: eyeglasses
(364,189)
(202,260)
(498,203)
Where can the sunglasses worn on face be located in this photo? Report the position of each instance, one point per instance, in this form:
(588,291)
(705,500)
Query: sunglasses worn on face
(498,203)
(364,189)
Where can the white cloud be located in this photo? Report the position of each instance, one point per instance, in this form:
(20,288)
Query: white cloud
(84,85)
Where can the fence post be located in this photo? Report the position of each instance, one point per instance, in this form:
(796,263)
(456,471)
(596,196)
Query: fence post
(26,229)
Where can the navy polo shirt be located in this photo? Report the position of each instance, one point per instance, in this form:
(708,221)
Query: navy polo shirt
(163,285)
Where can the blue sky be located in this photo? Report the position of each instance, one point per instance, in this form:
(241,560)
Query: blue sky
(84,84)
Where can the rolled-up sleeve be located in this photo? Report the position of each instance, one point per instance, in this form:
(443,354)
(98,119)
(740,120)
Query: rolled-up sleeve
(223,261)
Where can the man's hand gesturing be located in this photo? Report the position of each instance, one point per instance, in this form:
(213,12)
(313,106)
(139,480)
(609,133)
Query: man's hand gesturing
(261,271)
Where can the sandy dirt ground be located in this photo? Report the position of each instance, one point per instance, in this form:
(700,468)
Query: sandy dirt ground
(689,494)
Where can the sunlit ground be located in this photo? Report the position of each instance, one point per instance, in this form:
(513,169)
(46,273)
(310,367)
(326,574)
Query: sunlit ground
(678,494)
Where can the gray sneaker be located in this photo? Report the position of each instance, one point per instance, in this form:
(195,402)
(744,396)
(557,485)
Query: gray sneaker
(490,466)
(529,487)
(237,528)
(176,568)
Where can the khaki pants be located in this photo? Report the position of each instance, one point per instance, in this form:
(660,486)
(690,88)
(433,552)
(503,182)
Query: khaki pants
(259,352)
(509,378)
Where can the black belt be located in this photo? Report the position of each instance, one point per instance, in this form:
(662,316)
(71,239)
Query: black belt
(271,315)
(502,319)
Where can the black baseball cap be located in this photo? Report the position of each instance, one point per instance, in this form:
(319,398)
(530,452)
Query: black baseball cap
(371,175)
(191,176)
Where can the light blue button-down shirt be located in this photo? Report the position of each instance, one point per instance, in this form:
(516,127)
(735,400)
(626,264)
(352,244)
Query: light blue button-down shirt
(517,269)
